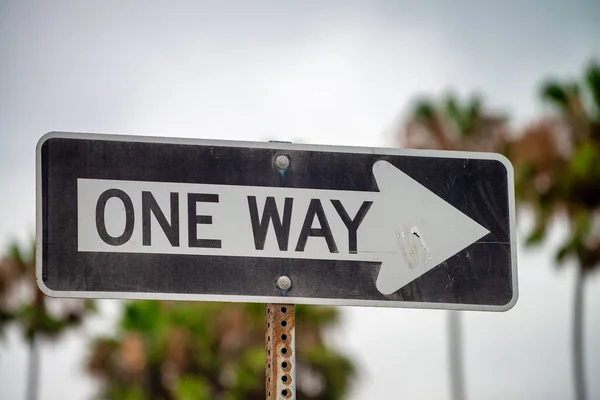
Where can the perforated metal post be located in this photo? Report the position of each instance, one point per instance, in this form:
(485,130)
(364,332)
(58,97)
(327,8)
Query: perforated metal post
(280,341)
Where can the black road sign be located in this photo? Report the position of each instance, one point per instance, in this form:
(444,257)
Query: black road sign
(164,218)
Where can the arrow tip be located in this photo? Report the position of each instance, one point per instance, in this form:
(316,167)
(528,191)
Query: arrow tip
(421,229)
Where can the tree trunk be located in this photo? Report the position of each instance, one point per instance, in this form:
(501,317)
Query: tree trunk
(578,359)
(457,384)
(33,371)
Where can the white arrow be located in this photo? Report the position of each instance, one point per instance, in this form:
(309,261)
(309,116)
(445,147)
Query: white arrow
(409,229)
(421,229)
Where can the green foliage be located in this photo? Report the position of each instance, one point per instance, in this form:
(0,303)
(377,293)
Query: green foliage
(592,77)
(464,117)
(584,162)
(186,350)
(454,124)
(130,394)
(336,370)
(555,93)
(424,110)
(29,311)
(572,178)
(557,169)
(316,316)
(192,388)
(557,160)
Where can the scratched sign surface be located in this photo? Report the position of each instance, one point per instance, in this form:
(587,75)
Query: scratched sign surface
(164,218)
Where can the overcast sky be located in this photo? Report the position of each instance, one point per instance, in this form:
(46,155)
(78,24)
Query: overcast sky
(318,72)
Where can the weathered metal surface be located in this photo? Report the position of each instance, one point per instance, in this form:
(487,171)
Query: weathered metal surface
(280,344)
(390,227)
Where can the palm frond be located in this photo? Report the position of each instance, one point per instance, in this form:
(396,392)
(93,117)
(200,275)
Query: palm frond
(555,93)
(424,110)
(592,77)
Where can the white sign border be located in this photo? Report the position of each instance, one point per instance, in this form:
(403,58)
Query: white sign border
(275,299)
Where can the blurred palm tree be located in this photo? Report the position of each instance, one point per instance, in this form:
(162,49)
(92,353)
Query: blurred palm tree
(558,175)
(201,351)
(452,124)
(557,163)
(24,305)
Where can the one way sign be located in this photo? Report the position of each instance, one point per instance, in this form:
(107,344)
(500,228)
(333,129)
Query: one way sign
(139,217)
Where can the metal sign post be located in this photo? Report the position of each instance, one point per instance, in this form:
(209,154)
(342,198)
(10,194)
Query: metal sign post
(280,341)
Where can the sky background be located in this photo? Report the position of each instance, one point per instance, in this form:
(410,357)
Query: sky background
(337,72)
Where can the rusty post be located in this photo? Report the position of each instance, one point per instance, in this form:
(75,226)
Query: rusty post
(280,341)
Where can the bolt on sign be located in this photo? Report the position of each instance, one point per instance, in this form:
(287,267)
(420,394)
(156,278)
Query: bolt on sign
(164,218)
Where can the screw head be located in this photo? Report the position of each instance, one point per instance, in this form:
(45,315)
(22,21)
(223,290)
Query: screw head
(284,283)
(282,162)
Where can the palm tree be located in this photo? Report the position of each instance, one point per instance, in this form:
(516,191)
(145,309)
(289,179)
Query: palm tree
(24,305)
(454,125)
(188,350)
(558,175)
(451,125)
